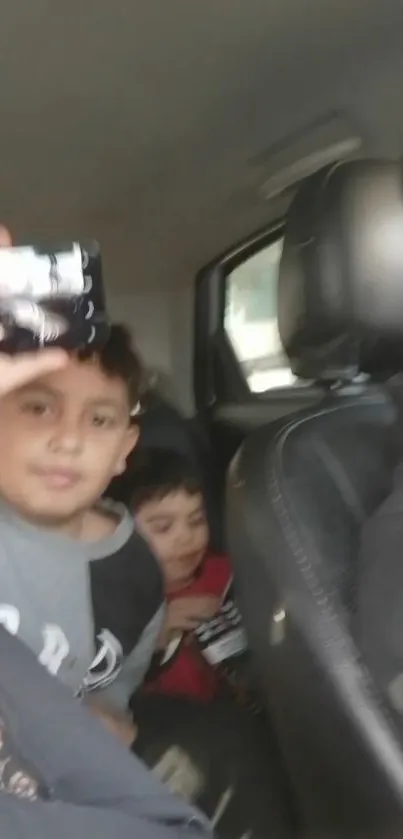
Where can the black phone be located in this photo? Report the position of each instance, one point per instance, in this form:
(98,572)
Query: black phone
(52,297)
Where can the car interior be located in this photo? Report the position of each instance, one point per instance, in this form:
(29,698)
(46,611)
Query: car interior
(240,165)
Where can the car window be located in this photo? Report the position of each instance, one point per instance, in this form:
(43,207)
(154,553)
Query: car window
(251,320)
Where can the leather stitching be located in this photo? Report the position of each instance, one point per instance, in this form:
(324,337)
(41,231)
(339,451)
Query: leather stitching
(306,568)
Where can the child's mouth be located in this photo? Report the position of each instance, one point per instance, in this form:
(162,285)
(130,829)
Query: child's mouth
(56,478)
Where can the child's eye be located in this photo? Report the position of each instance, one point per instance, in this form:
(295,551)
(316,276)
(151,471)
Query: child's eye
(103,421)
(160,526)
(37,409)
(159,529)
(199,521)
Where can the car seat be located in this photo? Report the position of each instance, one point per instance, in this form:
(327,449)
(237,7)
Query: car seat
(300,488)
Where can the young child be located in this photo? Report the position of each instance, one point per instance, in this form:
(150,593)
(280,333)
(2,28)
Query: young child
(202,630)
(200,746)
(69,587)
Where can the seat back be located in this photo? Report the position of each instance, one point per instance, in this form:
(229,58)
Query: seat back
(298,493)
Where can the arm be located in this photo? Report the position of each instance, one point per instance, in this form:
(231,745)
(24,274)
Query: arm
(135,666)
(86,769)
(119,723)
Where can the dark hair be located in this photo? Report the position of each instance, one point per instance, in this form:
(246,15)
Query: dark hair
(157,472)
(118,358)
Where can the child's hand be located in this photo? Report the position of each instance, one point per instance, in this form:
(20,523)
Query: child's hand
(124,730)
(18,370)
(186,613)
(118,723)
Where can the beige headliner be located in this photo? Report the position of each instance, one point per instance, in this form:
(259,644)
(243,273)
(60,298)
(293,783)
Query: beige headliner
(142,122)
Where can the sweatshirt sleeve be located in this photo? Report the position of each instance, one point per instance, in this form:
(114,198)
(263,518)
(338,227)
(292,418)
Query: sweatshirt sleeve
(136,665)
(89,773)
(127,599)
(21,819)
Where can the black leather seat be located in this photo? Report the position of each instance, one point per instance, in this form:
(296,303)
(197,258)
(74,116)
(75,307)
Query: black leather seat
(300,488)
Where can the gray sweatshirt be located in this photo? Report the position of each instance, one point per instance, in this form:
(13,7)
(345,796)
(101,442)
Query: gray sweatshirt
(90,611)
(95,788)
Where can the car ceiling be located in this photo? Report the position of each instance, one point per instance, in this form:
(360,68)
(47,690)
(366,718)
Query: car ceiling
(149,124)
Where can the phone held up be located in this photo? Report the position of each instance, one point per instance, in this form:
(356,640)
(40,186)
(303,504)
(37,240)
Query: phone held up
(52,298)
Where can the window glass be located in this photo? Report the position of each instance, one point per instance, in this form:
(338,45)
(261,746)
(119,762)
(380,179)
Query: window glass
(251,320)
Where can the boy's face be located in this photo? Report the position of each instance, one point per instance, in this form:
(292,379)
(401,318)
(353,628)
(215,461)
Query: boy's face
(176,527)
(62,438)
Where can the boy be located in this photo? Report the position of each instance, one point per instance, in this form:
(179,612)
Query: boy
(69,587)
(218,746)
(202,629)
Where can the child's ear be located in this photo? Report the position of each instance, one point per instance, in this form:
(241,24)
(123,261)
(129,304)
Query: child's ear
(130,441)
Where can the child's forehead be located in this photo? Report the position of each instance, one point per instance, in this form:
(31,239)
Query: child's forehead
(82,378)
(174,501)
(89,369)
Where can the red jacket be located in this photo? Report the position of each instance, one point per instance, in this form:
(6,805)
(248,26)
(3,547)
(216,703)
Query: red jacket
(182,669)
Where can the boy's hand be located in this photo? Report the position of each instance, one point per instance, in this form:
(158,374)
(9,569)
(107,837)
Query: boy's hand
(18,370)
(119,724)
(186,613)
(124,729)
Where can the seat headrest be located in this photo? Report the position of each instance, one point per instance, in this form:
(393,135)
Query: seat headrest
(341,272)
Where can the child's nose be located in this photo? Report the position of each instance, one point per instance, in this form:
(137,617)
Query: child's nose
(67,436)
(185,538)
